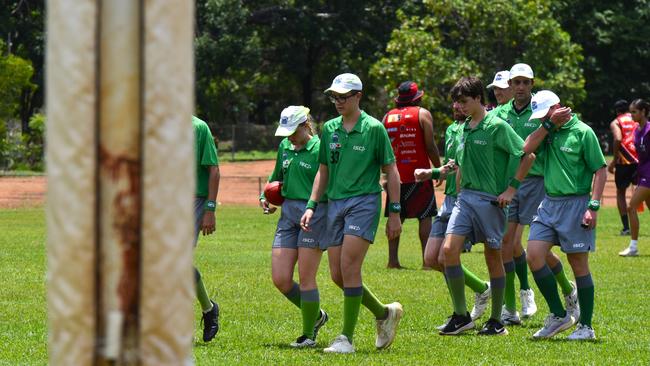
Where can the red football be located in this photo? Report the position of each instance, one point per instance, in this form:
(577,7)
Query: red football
(273,193)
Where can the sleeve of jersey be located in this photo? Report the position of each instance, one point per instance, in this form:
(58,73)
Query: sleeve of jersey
(593,155)
(385,154)
(209,155)
(276,175)
(512,143)
(322,150)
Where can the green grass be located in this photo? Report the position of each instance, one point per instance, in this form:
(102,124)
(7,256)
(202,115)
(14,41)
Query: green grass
(258,323)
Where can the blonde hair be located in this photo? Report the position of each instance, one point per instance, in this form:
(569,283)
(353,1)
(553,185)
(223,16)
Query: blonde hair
(310,123)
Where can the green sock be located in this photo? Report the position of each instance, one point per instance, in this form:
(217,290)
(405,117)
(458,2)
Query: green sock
(351,305)
(562,279)
(372,303)
(201,292)
(521,267)
(310,309)
(472,281)
(456,282)
(497,287)
(548,287)
(294,295)
(585,287)
(510,300)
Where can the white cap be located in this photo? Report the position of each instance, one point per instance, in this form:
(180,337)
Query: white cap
(543,101)
(500,80)
(344,83)
(521,70)
(290,119)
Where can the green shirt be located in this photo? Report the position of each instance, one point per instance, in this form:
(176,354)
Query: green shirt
(296,169)
(523,127)
(354,159)
(453,136)
(572,155)
(484,153)
(206,155)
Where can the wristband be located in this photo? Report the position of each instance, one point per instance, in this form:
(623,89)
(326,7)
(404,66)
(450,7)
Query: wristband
(514,183)
(210,206)
(548,125)
(394,207)
(594,205)
(311,205)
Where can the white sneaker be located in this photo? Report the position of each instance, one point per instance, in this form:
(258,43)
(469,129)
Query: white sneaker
(582,332)
(528,306)
(510,317)
(341,344)
(629,252)
(554,325)
(303,342)
(480,303)
(571,303)
(387,328)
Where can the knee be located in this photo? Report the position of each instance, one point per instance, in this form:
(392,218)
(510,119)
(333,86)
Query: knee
(432,260)
(282,283)
(535,259)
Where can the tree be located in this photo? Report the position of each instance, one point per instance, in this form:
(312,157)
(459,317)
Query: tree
(454,38)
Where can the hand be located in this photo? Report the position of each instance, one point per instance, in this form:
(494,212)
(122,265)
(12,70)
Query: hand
(393,226)
(589,220)
(438,182)
(610,166)
(422,174)
(208,224)
(268,209)
(306,218)
(448,168)
(561,116)
(505,198)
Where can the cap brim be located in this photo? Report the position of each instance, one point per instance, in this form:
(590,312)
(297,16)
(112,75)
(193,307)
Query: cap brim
(512,76)
(285,131)
(500,86)
(337,89)
(417,96)
(539,114)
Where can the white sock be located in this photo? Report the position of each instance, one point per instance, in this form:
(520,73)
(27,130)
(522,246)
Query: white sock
(633,244)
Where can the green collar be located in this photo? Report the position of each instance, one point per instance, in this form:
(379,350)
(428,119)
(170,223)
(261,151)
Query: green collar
(359,126)
(480,125)
(526,109)
(308,146)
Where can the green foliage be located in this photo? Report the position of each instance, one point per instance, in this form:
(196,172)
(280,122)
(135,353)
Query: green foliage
(24,152)
(454,38)
(257,322)
(15,75)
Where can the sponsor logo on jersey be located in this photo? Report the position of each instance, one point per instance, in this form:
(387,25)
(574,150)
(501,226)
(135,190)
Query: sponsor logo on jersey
(406,135)
(334,146)
(305,165)
(408,143)
(358,148)
(285,164)
(354,227)
(408,116)
(407,152)
(579,245)
(530,124)
(480,142)
(308,240)
(391,129)
(394,118)
(566,149)
(408,161)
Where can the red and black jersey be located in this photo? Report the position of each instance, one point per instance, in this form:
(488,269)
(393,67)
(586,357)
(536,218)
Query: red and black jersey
(627,152)
(407,139)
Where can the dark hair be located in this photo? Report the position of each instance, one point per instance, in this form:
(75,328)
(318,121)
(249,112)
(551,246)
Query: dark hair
(641,104)
(621,106)
(468,87)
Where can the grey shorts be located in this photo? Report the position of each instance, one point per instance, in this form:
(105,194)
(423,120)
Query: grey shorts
(199,203)
(558,221)
(476,218)
(289,234)
(357,216)
(439,225)
(524,205)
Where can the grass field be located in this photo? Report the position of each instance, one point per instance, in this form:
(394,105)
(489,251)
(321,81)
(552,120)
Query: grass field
(258,323)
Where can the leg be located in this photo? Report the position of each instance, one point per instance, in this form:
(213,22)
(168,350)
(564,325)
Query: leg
(452,248)
(622,207)
(283,262)
(353,252)
(537,252)
(507,251)
(555,264)
(308,262)
(393,248)
(493,259)
(640,195)
(432,254)
(210,309)
(424,228)
(580,265)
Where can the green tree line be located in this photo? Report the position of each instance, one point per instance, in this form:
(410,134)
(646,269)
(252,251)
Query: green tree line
(255,57)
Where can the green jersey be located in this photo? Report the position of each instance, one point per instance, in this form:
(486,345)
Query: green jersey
(296,169)
(206,155)
(484,153)
(572,155)
(354,159)
(453,136)
(519,121)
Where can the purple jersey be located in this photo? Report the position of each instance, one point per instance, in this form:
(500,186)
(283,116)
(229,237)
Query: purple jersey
(642,143)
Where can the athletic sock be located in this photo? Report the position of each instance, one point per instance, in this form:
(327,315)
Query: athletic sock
(372,303)
(633,244)
(497,287)
(521,267)
(562,279)
(310,309)
(473,281)
(625,222)
(351,305)
(456,280)
(548,287)
(201,292)
(294,294)
(511,303)
(585,285)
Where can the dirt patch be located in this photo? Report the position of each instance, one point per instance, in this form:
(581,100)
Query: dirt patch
(240,185)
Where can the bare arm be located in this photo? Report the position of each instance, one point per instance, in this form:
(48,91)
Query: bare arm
(317,190)
(534,140)
(394,224)
(209,221)
(590,217)
(426,122)
(616,145)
